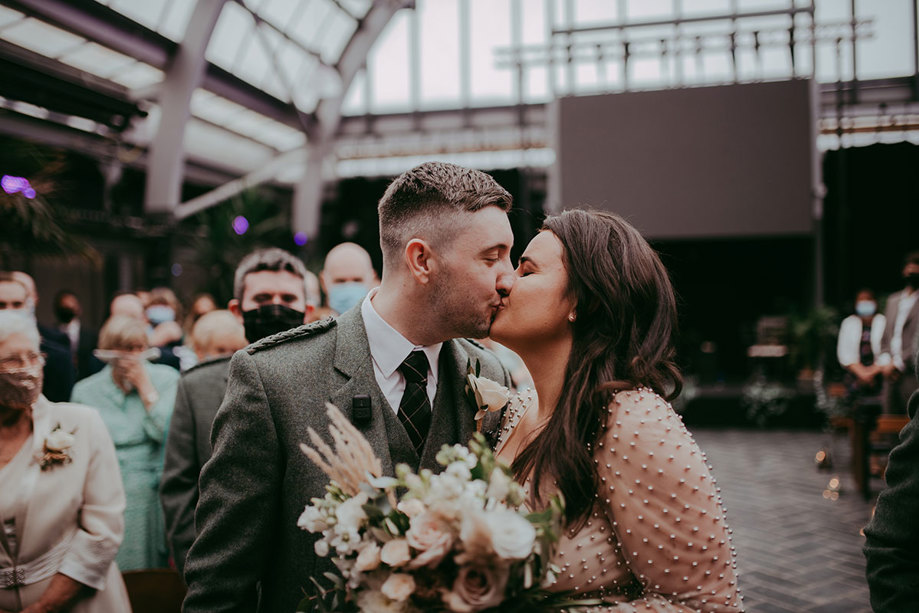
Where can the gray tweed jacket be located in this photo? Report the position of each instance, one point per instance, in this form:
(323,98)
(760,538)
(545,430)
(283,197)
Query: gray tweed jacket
(249,554)
(188,447)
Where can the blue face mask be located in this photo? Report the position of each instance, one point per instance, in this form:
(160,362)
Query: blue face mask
(343,296)
(160,313)
(865,308)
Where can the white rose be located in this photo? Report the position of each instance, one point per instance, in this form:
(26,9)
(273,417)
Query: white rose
(411,507)
(499,485)
(312,520)
(489,395)
(59,440)
(373,601)
(395,553)
(369,558)
(350,515)
(512,535)
(398,587)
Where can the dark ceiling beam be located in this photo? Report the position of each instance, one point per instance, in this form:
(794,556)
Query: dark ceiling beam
(111,29)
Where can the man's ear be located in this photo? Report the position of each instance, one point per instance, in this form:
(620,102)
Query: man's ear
(234,307)
(419,260)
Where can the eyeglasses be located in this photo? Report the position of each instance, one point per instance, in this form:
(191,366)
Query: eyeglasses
(21,361)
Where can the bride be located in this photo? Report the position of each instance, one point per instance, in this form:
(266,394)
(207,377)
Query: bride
(592,314)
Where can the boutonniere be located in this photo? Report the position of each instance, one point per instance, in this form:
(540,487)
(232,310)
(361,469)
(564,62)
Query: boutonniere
(486,395)
(56,449)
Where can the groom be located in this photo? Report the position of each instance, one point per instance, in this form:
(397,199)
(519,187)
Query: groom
(394,364)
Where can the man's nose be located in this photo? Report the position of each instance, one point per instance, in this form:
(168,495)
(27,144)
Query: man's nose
(506,279)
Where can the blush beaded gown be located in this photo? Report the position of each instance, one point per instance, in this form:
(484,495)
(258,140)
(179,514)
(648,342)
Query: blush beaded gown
(656,539)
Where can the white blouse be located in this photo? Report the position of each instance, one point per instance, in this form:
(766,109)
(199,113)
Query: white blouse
(850,337)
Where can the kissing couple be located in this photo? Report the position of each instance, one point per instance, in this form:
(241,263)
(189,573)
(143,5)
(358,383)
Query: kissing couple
(590,310)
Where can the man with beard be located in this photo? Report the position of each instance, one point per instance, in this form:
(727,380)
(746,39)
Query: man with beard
(270,296)
(395,366)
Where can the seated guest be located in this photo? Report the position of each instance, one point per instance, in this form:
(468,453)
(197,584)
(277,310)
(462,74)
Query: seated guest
(62,500)
(17,292)
(135,399)
(217,334)
(858,344)
(270,295)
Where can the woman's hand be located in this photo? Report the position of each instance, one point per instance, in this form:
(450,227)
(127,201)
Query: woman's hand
(136,375)
(61,594)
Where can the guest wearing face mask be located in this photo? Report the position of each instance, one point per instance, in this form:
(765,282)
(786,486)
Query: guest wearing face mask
(18,293)
(83,340)
(164,312)
(347,276)
(61,500)
(135,399)
(271,295)
(858,344)
(899,343)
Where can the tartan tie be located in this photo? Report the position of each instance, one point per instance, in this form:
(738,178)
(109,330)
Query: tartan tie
(415,408)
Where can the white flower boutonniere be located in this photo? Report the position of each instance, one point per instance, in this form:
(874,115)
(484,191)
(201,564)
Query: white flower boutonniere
(488,396)
(56,449)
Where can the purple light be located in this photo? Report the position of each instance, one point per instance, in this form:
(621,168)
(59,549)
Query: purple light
(240,225)
(176,269)
(300,238)
(12,185)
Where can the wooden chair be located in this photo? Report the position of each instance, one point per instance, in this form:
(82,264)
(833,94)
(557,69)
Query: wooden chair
(159,590)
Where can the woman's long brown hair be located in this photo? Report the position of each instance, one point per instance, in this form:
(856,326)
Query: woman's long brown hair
(623,338)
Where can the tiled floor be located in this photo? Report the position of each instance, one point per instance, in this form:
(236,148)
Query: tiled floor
(797,550)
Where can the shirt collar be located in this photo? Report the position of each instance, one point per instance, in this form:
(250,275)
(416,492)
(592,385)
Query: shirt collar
(388,347)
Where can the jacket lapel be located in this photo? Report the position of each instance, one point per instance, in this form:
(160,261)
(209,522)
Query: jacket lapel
(354,363)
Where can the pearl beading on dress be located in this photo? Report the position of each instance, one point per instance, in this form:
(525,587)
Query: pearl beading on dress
(656,539)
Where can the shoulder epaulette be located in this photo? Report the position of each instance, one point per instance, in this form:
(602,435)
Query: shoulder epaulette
(304,331)
(207,362)
(475,343)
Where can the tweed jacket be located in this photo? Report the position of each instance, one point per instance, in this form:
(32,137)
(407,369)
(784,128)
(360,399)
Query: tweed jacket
(188,447)
(892,537)
(249,554)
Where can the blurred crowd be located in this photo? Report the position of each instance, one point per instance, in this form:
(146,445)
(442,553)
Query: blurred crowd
(153,378)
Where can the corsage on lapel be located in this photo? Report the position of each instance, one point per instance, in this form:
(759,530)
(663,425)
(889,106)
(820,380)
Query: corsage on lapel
(56,449)
(486,395)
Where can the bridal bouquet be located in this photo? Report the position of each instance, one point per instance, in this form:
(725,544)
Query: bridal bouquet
(454,541)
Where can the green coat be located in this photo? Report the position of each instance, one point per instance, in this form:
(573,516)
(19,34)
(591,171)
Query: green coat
(139,436)
(249,554)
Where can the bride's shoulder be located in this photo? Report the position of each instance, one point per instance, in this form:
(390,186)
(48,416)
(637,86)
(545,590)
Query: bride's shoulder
(640,407)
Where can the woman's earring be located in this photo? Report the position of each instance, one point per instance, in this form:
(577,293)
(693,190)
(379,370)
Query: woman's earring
(571,317)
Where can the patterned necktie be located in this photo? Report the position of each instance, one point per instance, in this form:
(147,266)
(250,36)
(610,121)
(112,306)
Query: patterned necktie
(415,408)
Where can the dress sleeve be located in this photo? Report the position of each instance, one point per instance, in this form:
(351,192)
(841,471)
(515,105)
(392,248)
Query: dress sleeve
(179,486)
(156,420)
(239,498)
(847,344)
(101,518)
(665,509)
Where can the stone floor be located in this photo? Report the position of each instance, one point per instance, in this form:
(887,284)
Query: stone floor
(798,548)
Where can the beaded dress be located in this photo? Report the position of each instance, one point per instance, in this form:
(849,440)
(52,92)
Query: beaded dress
(656,539)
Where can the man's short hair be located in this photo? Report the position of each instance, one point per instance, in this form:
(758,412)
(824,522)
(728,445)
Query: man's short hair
(272,259)
(417,201)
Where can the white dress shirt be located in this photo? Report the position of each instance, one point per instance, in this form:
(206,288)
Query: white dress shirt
(388,349)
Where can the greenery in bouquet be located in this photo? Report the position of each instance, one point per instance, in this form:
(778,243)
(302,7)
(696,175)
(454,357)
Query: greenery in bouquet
(458,540)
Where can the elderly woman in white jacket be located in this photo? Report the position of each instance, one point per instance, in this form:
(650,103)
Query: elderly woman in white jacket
(61,498)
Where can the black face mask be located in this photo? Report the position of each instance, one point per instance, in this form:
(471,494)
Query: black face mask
(65,315)
(912,280)
(270,319)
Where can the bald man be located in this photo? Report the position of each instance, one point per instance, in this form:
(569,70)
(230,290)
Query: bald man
(347,276)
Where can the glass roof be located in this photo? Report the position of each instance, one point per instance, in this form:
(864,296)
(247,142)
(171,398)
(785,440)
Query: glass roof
(451,54)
